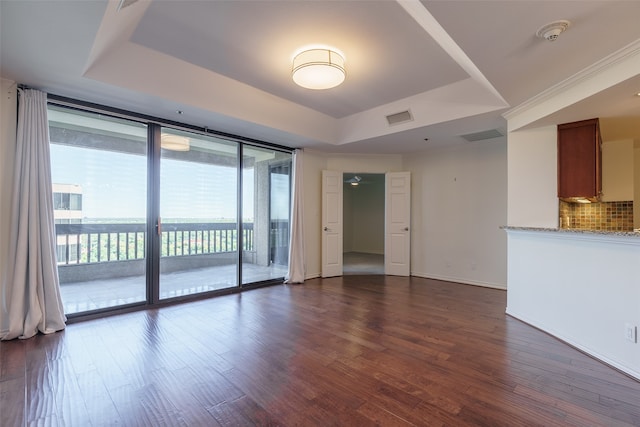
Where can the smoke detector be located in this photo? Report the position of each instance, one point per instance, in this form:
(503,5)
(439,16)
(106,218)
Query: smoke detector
(552,30)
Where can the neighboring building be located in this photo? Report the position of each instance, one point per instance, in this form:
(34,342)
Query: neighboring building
(67,209)
(67,203)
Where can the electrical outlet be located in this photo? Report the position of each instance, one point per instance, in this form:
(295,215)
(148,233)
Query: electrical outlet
(630,332)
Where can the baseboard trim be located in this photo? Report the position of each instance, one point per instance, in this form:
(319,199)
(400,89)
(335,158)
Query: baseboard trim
(459,280)
(569,341)
(437,277)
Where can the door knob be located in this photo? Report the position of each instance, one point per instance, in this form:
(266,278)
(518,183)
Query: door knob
(406,229)
(326,229)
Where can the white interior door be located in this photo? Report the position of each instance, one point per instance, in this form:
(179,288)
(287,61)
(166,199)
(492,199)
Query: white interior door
(397,235)
(331,223)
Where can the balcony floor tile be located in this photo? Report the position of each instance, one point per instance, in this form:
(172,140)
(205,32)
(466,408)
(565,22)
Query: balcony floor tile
(90,295)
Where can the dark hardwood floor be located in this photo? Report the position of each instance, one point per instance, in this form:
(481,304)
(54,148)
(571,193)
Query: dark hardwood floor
(348,351)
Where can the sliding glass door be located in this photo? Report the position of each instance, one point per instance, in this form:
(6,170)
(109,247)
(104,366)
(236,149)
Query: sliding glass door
(146,213)
(266,180)
(199,214)
(99,175)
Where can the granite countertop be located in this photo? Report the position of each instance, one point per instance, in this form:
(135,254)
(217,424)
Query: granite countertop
(576,231)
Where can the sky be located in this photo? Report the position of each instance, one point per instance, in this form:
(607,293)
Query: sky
(114,185)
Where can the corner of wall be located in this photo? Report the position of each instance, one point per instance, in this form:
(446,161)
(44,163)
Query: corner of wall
(636,184)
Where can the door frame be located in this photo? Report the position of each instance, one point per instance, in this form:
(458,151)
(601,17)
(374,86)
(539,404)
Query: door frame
(397,219)
(332,223)
(341,244)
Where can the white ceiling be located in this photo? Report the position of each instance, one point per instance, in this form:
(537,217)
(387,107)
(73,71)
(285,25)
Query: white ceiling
(456,65)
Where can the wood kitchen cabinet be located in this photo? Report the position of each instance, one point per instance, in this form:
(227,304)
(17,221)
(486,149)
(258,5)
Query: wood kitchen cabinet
(579,161)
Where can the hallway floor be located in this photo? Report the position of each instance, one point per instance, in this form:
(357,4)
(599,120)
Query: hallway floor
(362,263)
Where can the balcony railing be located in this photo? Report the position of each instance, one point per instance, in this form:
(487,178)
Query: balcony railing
(99,243)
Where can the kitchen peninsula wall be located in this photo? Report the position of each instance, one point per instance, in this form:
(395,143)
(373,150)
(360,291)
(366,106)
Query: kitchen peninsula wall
(603,216)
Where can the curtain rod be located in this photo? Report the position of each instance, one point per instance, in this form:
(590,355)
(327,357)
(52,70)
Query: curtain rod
(21,86)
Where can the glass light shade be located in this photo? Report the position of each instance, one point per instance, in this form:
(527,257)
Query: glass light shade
(174,142)
(318,69)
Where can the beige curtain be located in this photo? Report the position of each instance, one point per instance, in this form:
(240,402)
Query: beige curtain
(296,271)
(31,301)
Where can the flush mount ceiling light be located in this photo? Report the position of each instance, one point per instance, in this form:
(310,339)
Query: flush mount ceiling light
(552,30)
(318,69)
(174,142)
(355,181)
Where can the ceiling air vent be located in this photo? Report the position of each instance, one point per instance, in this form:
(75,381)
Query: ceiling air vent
(397,118)
(125,3)
(481,136)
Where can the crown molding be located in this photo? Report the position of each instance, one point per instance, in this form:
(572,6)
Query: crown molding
(610,62)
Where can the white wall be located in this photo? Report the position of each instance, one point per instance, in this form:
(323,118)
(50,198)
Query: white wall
(581,288)
(636,184)
(533,178)
(8,113)
(347,218)
(364,218)
(364,163)
(458,203)
(617,170)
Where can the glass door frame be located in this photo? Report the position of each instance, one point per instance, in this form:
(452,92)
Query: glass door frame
(154,222)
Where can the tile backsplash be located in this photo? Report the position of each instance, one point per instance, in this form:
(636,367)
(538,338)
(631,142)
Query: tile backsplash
(606,216)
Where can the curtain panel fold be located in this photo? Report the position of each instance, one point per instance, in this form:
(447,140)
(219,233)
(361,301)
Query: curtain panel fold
(296,273)
(31,300)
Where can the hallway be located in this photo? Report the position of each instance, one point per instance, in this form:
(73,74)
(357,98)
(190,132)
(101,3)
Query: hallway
(362,263)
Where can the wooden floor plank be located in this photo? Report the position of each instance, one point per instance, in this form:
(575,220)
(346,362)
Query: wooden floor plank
(242,412)
(352,350)
(39,396)
(97,399)
(12,401)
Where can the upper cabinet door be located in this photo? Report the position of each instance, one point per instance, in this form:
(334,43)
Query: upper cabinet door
(579,160)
